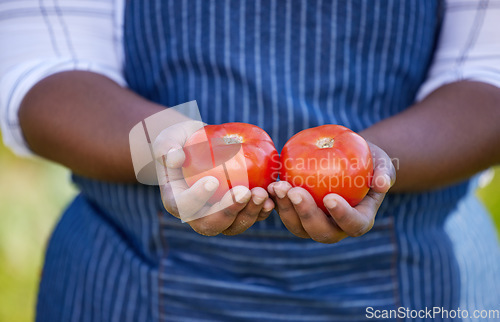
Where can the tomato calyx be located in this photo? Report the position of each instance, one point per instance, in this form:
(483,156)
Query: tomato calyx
(325,143)
(234,153)
(232,139)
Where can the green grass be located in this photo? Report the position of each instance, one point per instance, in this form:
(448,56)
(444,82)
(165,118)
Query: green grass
(32,195)
(490,196)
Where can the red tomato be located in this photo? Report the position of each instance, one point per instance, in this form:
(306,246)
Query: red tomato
(328,159)
(235,153)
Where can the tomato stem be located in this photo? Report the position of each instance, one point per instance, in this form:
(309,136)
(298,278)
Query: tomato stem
(324,143)
(232,139)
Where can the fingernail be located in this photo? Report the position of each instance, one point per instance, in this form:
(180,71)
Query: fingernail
(169,155)
(258,200)
(211,185)
(267,209)
(388,179)
(242,195)
(330,203)
(170,152)
(167,158)
(280,193)
(295,198)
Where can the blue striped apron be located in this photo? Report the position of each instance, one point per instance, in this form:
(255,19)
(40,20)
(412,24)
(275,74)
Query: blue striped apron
(117,255)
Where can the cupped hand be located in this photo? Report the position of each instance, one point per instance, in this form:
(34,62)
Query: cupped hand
(239,208)
(303,218)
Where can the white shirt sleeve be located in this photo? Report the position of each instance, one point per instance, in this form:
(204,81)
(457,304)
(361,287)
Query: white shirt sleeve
(40,38)
(468,46)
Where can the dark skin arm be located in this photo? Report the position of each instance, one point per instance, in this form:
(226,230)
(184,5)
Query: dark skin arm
(82,120)
(447,137)
(451,135)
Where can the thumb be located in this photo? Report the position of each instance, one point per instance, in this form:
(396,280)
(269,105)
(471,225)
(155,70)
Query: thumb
(168,145)
(168,151)
(170,154)
(175,157)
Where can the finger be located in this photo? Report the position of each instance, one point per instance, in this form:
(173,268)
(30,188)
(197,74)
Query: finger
(267,208)
(168,199)
(175,157)
(166,175)
(270,190)
(221,215)
(167,146)
(370,203)
(168,150)
(285,209)
(354,221)
(248,216)
(169,176)
(188,201)
(384,173)
(315,222)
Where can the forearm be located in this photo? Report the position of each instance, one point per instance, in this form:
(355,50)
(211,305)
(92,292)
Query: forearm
(82,121)
(449,136)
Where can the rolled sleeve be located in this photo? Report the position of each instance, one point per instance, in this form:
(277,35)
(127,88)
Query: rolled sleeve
(39,40)
(468,46)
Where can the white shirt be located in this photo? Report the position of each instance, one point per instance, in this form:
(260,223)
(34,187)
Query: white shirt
(41,37)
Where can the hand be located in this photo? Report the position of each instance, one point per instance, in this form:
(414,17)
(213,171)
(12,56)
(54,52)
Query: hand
(238,210)
(304,219)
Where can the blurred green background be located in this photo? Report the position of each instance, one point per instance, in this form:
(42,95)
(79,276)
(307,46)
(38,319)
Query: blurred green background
(32,195)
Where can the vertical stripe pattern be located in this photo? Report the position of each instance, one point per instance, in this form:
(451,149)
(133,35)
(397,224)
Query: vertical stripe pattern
(285,66)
